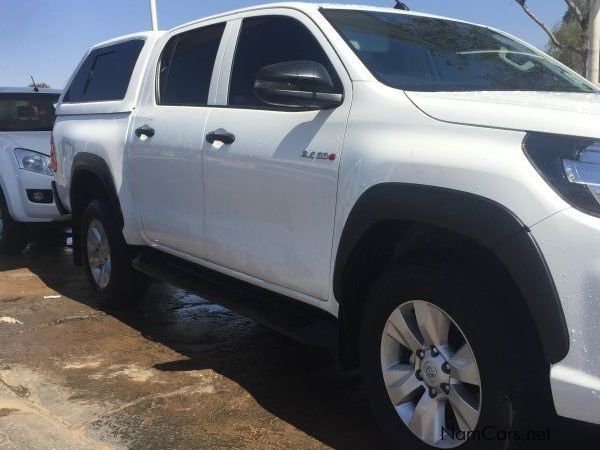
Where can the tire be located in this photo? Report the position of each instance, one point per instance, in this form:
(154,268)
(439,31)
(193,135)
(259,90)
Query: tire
(404,299)
(107,258)
(13,235)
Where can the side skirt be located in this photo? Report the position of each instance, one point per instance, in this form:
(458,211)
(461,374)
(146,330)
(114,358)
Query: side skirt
(305,323)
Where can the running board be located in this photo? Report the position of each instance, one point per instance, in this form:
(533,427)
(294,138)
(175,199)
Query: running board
(298,320)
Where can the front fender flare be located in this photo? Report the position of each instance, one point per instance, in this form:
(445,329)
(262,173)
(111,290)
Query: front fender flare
(481,219)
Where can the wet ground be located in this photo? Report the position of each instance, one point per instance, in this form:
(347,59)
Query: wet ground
(174,372)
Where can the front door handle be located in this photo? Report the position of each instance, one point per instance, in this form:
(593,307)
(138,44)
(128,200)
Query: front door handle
(144,130)
(220,135)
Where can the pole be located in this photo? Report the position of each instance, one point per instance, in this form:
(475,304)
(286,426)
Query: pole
(153,17)
(593,56)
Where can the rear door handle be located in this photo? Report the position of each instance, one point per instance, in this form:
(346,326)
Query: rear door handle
(144,130)
(220,135)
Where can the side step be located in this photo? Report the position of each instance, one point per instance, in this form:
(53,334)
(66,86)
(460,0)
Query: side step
(298,320)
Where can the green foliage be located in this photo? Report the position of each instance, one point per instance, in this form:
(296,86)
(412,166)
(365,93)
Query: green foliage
(570,32)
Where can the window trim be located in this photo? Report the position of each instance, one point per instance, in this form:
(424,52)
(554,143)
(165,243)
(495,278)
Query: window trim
(177,37)
(231,62)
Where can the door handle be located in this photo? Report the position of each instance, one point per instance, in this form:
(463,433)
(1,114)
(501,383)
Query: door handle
(220,135)
(144,130)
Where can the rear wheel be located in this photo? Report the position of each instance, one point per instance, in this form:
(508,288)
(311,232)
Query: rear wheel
(436,363)
(107,257)
(13,235)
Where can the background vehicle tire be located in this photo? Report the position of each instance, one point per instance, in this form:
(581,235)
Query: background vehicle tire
(13,235)
(107,258)
(415,305)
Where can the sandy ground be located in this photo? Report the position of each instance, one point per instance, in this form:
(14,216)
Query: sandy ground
(174,372)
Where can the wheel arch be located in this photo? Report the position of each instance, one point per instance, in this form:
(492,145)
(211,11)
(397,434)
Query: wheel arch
(392,218)
(91,178)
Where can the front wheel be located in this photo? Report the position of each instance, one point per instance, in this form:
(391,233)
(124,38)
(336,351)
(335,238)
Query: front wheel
(435,365)
(107,257)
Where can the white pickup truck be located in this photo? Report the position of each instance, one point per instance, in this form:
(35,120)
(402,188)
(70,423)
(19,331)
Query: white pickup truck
(27,208)
(419,193)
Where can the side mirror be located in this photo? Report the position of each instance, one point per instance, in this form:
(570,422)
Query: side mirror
(297,84)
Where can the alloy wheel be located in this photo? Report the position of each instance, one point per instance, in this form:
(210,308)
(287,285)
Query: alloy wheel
(430,373)
(98,253)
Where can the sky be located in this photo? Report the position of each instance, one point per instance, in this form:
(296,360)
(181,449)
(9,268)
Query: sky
(47,38)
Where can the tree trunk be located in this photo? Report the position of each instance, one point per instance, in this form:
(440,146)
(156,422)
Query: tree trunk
(593,38)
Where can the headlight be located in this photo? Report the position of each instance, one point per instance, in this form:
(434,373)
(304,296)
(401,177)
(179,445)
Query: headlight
(33,161)
(570,165)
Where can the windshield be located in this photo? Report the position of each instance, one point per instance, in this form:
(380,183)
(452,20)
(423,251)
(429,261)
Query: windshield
(27,111)
(426,54)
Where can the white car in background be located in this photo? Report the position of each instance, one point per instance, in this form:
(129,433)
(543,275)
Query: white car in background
(26,199)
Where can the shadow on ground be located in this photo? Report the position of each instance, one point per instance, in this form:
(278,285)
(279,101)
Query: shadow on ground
(298,384)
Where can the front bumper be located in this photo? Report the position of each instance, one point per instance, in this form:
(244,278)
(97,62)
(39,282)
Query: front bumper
(21,208)
(59,205)
(570,243)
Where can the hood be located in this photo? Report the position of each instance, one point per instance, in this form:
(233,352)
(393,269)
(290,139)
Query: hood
(38,141)
(547,112)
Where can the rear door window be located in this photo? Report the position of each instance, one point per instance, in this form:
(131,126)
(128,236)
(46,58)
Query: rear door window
(186,66)
(105,73)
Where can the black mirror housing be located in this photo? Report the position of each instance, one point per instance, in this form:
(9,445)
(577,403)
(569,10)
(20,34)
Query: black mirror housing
(297,84)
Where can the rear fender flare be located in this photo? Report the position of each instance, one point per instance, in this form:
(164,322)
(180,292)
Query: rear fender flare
(86,165)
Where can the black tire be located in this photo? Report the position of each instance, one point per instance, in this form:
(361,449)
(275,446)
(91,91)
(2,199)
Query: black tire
(13,235)
(125,285)
(484,329)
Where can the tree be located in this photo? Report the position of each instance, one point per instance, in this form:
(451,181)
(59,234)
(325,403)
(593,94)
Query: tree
(576,40)
(571,32)
(39,85)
